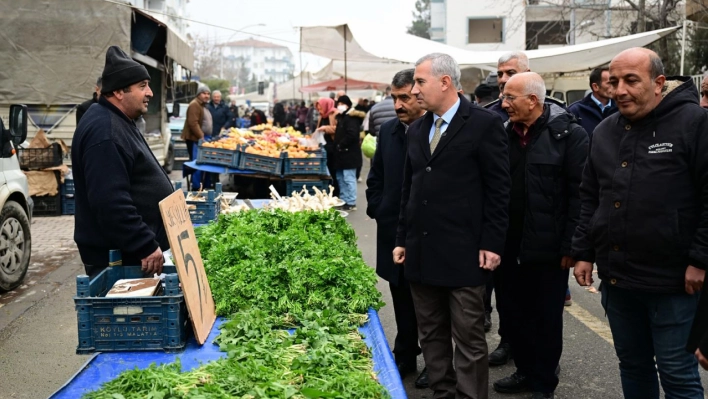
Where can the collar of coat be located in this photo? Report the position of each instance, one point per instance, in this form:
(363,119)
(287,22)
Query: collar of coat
(356,113)
(104,101)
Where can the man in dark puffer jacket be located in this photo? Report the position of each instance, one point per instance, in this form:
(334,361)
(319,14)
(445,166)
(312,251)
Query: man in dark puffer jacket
(547,150)
(118,180)
(644,221)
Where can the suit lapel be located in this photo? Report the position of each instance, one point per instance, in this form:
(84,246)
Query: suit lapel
(456,124)
(425,134)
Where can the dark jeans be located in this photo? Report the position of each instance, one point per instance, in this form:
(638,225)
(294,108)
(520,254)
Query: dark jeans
(405,347)
(199,179)
(445,314)
(535,320)
(647,326)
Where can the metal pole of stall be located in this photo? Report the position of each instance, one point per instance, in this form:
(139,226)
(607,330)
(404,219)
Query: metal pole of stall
(302,96)
(345,58)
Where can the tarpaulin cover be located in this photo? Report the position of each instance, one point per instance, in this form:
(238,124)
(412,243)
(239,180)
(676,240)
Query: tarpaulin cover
(104,367)
(338,84)
(51,52)
(364,44)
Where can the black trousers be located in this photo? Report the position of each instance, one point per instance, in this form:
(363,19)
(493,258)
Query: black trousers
(535,321)
(499,284)
(405,347)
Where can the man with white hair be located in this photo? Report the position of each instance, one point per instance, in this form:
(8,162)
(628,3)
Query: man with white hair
(547,152)
(452,226)
(220,114)
(509,65)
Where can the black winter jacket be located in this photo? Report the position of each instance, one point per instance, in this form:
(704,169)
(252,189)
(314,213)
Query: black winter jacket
(644,214)
(118,186)
(554,161)
(383,196)
(347,152)
(221,117)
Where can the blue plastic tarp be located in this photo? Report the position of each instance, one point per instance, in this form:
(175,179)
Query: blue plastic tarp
(104,367)
(217,169)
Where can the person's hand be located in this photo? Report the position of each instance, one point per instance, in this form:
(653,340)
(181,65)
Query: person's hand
(488,260)
(694,279)
(152,264)
(701,359)
(583,273)
(567,262)
(399,255)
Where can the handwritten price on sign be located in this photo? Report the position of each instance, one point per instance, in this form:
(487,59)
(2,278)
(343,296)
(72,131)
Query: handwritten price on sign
(188,262)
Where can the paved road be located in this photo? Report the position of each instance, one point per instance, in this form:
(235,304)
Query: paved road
(38,324)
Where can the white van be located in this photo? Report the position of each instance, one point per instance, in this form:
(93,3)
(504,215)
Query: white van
(568,89)
(15,202)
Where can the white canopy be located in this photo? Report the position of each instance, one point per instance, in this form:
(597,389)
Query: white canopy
(372,45)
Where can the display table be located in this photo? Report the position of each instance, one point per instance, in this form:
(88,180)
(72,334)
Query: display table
(104,367)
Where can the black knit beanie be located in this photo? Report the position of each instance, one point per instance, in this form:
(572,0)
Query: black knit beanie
(345,100)
(121,71)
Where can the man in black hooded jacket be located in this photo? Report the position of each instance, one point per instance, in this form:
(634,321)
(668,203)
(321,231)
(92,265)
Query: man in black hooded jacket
(644,222)
(119,183)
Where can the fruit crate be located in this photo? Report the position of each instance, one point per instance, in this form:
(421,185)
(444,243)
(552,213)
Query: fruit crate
(40,158)
(129,324)
(260,163)
(68,189)
(68,205)
(315,165)
(47,205)
(217,156)
(297,184)
(203,212)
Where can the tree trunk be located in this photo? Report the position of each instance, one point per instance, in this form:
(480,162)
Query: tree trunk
(641,18)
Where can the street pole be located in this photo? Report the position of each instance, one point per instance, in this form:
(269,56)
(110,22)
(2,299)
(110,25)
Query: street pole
(683,45)
(345,58)
(301,67)
(571,38)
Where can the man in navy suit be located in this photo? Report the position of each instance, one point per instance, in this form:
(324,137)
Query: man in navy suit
(452,226)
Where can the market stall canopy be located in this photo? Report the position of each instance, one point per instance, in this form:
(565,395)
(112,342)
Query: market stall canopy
(44,59)
(366,45)
(338,84)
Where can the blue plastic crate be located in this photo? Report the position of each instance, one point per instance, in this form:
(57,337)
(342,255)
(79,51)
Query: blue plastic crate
(296,185)
(181,153)
(260,163)
(129,324)
(68,206)
(217,156)
(316,165)
(68,187)
(203,212)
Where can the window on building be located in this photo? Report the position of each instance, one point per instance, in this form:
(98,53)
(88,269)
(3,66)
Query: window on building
(545,33)
(485,30)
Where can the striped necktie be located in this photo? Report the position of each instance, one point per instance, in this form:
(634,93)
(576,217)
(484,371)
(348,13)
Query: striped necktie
(436,136)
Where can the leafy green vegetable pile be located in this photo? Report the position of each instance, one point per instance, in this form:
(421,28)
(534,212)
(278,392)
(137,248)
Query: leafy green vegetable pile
(286,263)
(324,358)
(269,271)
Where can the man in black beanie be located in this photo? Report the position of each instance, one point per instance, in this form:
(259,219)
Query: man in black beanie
(118,180)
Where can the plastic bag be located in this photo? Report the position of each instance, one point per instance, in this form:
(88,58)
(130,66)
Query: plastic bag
(368,146)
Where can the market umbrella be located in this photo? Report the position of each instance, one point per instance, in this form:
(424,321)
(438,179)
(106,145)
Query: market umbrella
(341,84)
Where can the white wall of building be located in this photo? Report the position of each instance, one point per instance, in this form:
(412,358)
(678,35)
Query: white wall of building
(272,62)
(170,12)
(484,25)
(450,21)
